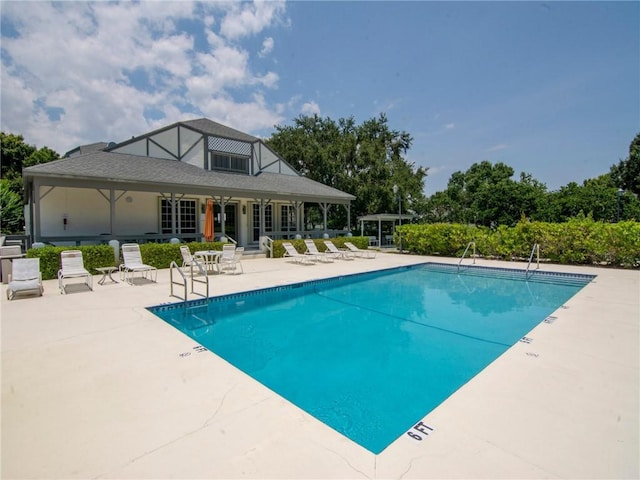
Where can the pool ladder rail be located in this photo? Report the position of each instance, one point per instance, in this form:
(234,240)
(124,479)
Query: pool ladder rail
(200,270)
(473,255)
(534,250)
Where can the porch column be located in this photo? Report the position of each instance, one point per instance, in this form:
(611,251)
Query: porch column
(263,205)
(325,207)
(174,216)
(297,206)
(112,210)
(223,203)
(35,219)
(348,207)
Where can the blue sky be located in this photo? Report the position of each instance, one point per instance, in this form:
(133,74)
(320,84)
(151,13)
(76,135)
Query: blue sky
(549,88)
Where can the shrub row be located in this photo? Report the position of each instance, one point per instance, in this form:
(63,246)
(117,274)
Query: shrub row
(159,255)
(578,241)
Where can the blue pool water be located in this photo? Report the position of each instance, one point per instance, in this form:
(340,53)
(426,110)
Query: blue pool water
(372,354)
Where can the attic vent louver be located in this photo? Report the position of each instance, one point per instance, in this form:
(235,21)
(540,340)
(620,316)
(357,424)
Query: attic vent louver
(226,145)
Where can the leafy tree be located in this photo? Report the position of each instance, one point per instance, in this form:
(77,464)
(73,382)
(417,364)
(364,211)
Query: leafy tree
(626,174)
(486,195)
(11,208)
(597,197)
(365,160)
(16,155)
(13,154)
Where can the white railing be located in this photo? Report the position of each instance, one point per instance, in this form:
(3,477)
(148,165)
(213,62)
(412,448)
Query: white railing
(267,242)
(230,239)
(465,253)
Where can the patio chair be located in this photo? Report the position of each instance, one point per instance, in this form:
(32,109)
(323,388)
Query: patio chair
(73,267)
(230,258)
(133,264)
(359,252)
(337,253)
(291,252)
(25,277)
(189,260)
(312,249)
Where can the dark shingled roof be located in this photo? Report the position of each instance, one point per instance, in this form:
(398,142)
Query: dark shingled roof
(201,125)
(119,168)
(82,149)
(210,127)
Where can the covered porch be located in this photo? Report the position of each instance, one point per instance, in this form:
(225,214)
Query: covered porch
(71,206)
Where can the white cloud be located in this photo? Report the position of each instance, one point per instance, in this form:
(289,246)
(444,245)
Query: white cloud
(104,66)
(267,47)
(310,108)
(449,126)
(497,148)
(246,19)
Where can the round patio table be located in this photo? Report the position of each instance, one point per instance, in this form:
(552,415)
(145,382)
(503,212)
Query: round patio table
(106,272)
(211,259)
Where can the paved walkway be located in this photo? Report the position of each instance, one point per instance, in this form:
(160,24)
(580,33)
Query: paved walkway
(94,386)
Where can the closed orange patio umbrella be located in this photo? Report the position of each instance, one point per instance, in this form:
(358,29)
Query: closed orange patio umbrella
(208,221)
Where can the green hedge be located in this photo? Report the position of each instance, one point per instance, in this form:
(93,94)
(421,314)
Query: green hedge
(578,241)
(159,255)
(278,249)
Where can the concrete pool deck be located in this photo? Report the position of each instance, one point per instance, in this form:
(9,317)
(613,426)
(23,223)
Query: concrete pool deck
(95,386)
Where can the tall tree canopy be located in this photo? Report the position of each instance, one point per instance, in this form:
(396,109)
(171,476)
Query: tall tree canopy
(626,174)
(15,154)
(486,195)
(365,160)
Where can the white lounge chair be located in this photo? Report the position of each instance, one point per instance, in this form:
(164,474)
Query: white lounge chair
(72,266)
(25,277)
(230,258)
(133,264)
(359,252)
(312,249)
(291,252)
(337,253)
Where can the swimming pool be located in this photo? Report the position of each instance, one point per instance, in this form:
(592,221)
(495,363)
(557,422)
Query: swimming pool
(371,354)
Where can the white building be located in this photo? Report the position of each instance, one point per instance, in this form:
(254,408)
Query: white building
(155,187)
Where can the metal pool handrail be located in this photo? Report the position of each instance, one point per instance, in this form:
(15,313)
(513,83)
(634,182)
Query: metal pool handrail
(465,253)
(174,266)
(536,248)
(201,270)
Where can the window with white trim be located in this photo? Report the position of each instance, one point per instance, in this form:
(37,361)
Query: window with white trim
(186,216)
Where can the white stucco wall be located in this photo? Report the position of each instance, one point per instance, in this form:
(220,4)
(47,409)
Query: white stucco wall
(88,212)
(135,148)
(140,215)
(195,156)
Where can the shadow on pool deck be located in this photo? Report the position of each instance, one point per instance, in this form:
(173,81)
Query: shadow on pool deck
(93,385)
